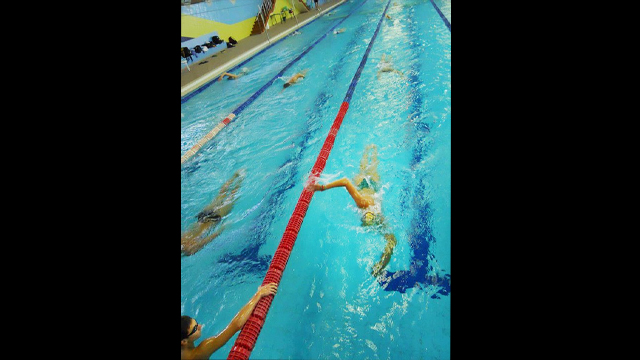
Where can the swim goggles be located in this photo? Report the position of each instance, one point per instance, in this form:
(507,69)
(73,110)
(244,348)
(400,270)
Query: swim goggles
(193,331)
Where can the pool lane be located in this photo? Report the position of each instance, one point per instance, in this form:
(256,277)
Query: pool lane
(187,155)
(248,336)
(421,271)
(249,259)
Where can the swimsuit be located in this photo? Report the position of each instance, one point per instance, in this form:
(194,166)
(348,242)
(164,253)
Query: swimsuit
(368,184)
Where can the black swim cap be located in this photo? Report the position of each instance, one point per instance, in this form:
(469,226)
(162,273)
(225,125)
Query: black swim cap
(286,85)
(184,326)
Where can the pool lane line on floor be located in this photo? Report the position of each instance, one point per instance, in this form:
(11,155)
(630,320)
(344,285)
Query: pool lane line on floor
(194,149)
(246,340)
(250,55)
(421,271)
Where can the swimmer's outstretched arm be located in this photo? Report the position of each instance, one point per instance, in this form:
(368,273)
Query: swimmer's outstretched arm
(225,187)
(360,200)
(210,345)
(225,198)
(231,76)
(193,246)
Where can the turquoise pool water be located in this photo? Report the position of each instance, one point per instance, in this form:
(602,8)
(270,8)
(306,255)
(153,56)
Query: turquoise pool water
(328,305)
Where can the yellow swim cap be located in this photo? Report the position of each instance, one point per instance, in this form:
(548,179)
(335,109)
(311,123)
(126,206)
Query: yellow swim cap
(368,218)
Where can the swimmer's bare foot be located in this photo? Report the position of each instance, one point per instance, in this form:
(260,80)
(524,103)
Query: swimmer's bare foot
(376,270)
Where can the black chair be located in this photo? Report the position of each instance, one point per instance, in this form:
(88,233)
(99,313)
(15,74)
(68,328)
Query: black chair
(216,40)
(232,40)
(186,53)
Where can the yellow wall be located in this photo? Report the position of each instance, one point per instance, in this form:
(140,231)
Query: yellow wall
(282,3)
(194,26)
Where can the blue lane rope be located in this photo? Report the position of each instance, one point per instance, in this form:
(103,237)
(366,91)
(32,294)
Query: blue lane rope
(354,81)
(446,22)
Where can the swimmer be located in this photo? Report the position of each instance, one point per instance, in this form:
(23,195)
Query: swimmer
(295,78)
(386,66)
(211,216)
(368,181)
(387,16)
(191,330)
(341,30)
(230,76)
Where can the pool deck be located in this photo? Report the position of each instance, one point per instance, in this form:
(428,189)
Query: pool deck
(226,59)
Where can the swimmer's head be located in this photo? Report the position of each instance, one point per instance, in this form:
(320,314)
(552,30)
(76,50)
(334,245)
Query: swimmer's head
(190,329)
(205,218)
(368,219)
(286,85)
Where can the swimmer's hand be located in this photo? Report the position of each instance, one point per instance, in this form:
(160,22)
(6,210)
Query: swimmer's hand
(315,187)
(266,290)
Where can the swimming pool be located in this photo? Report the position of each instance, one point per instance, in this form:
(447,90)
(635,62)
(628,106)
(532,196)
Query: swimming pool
(328,305)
